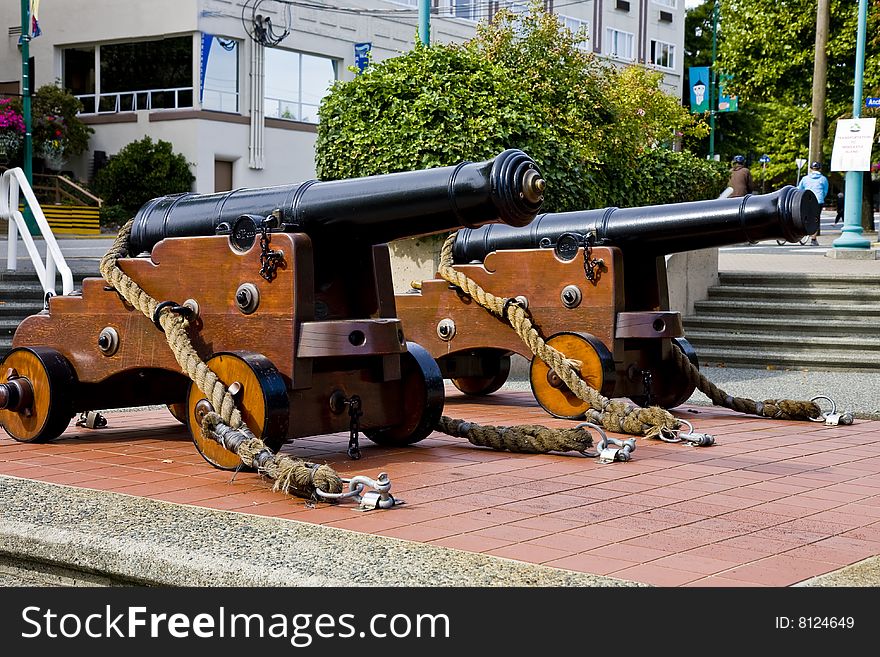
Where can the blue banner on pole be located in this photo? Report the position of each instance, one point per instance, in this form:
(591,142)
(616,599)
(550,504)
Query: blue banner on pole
(726,103)
(362,55)
(699,81)
(203,64)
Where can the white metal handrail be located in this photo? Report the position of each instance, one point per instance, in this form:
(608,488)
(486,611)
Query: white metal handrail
(13,182)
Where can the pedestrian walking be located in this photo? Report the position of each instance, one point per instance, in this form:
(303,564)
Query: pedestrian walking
(817,183)
(740,178)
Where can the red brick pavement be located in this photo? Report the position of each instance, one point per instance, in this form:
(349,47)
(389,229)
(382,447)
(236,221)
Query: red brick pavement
(771,504)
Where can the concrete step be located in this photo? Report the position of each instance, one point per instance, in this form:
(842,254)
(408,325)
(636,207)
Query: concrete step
(823,294)
(817,326)
(785,359)
(801,343)
(29,275)
(20,292)
(800,281)
(784,308)
(19,309)
(809,321)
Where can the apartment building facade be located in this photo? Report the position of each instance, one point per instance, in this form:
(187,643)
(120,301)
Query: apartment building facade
(235,85)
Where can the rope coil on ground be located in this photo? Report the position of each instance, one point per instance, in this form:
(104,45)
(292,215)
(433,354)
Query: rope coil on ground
(293,476)
(777,409)
(524,439)
(613,415)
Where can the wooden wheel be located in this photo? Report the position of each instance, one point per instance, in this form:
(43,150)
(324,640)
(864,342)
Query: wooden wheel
(597,370)
(495,363)
(669,386)
(178,411)
(262,400)
(423,399)
(36,398)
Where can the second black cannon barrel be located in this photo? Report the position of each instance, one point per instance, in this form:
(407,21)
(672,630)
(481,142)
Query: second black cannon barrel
(371,209)
(788,213)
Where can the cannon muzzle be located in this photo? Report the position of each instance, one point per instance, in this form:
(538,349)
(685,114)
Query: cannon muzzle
(370,210)
(656,229)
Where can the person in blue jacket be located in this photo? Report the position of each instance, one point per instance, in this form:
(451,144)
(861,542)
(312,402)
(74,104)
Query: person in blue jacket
(818,184)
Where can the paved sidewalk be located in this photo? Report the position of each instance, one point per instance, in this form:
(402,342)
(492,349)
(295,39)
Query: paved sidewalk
(773,503)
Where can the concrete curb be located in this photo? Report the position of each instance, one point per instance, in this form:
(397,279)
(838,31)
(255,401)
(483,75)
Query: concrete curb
(134,540)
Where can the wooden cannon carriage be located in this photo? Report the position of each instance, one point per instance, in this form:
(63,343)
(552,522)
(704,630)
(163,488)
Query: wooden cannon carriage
(290,301)
(595,285)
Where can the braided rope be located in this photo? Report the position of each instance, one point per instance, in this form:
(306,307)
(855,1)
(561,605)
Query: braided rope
(613,415)
(293,476)
(525,438)
(778,409)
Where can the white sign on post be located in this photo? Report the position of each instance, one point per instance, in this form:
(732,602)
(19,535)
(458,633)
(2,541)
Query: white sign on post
(852,145)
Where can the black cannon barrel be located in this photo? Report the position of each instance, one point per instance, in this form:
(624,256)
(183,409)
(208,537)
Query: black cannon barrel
(657,229)
(372,209)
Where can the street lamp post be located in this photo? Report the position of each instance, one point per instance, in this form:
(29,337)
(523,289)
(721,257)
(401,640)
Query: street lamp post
(425,21)
(713,82)
(26,106)
(851,233)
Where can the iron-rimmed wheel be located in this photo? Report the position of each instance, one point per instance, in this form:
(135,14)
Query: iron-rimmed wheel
(597,370)
(669,386)
(496,362)
(262,400)
(38,387)
(423,399)
(178,410)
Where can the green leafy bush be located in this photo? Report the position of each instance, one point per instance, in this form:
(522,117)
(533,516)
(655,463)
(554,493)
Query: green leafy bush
(141,171)
(522,82)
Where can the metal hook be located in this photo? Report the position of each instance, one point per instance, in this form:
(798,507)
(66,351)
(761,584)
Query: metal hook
(606,454)
(832,418)
(693,438)
(377,498)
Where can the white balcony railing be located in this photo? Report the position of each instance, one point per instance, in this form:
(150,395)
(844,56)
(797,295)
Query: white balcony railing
(142,99)
(293,110)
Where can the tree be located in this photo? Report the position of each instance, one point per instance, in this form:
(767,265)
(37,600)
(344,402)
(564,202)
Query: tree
(522,82)
(767,45)
(768,48)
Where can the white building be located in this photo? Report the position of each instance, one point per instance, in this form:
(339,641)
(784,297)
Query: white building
(235,85)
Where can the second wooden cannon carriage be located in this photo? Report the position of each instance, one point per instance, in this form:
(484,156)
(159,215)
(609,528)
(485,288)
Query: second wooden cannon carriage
(595,285)
(289,297)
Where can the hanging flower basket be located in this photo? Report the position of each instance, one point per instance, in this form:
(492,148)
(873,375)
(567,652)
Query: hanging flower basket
(53,155)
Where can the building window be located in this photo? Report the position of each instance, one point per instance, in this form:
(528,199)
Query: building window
(662,54)
(78,75)
(219,71)
(618,44)
(469,10)
(578,27)
(666,3)
(146,75)
(134,76)
(295,84)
